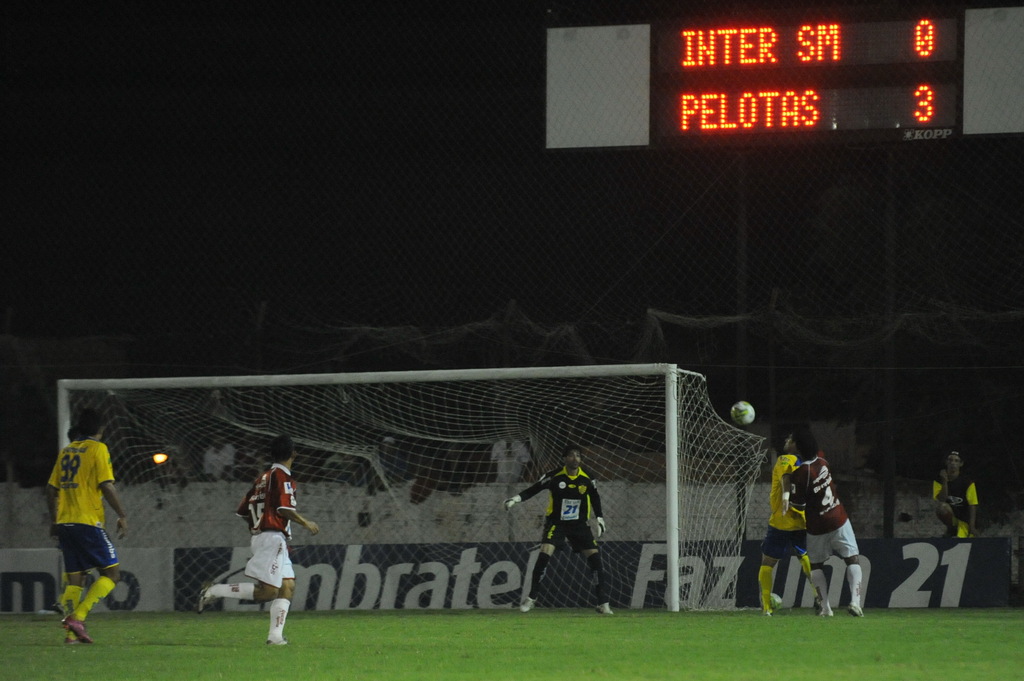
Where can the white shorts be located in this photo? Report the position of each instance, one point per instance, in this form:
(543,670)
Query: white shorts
(270,562)
(842,541)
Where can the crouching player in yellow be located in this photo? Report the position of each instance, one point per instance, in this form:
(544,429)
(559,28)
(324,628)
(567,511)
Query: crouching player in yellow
(787,530)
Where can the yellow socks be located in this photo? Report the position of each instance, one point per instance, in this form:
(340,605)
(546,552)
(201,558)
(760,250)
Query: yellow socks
(70,598)
(99,590)
(805,563)
(764,578)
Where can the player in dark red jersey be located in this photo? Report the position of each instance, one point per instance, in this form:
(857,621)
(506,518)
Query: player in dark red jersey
(828,526)
(573,500)
(269,509)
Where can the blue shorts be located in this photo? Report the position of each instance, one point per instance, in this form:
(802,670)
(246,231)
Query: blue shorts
(777,543)
(85,547)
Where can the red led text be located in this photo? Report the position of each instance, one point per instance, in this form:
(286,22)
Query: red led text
(808,44)
(752,111)
(924,98)
(759,45)
(729,46)
(924,38)
(819,43)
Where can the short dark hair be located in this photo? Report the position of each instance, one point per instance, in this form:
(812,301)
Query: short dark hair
(805,442)
(281,448)
(571,447)
(90,422)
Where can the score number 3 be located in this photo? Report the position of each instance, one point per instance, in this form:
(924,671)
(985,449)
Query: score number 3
(924,103)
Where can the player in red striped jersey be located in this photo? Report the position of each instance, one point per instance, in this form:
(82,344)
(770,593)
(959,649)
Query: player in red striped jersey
(828,526)
(269,509)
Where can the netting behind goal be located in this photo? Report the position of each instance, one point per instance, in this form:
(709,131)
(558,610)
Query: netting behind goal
(406,474)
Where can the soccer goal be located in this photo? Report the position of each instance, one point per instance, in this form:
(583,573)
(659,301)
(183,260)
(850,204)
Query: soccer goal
(406,473)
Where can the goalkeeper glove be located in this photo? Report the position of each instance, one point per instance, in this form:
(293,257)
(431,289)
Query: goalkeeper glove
(509,503)
(601,527)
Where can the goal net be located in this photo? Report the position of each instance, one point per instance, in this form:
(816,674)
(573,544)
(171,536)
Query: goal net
(406,473)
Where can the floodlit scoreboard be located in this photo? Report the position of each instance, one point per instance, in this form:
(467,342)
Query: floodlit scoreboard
(833,75)
(783,77)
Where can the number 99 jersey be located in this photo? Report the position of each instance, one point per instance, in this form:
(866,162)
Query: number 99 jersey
(80,469)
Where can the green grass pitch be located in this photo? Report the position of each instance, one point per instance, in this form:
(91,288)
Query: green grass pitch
(901,645)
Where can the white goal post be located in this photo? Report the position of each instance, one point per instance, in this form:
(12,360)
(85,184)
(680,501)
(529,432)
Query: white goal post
(393,464)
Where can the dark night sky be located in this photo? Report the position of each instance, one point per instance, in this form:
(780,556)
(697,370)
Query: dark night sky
(377,163)
(156,152)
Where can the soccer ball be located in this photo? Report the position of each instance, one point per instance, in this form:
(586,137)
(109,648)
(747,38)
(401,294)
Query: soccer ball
(776,601)
(742,413)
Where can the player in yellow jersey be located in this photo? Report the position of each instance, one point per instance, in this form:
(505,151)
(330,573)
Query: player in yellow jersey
(81,479)
(787,530)
(956,499)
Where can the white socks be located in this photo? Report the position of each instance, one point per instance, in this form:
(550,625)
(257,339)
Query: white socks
(853,578)
(818,578)
(243,590)
(278,614)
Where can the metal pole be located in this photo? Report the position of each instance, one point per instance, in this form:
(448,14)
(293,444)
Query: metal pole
(741,277)
(889,380)
(672,489)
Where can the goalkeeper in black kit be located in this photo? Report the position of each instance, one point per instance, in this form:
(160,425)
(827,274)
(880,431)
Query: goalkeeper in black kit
(573,500)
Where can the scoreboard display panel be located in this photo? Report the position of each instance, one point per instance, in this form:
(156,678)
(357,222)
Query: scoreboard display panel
(820,76)
(767,75)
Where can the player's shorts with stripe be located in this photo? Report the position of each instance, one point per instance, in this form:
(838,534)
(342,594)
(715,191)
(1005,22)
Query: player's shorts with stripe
(85,547)
(578,534)
(841,541)
(270,562)
(777,542)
